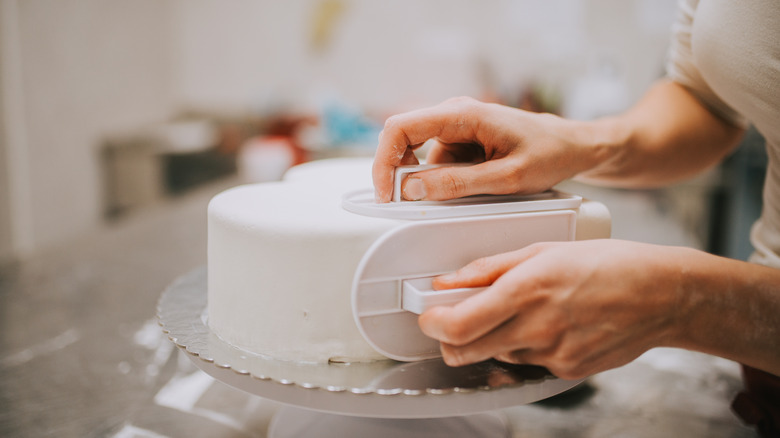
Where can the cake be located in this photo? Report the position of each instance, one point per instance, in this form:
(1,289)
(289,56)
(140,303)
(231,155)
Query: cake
(281,260)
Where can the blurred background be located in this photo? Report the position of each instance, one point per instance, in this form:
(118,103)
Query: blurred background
(108,107)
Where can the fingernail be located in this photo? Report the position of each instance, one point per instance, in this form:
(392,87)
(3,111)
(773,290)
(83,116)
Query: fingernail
(414,190)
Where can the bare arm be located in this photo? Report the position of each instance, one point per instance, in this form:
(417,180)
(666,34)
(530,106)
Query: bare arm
(732,310)
(666,137)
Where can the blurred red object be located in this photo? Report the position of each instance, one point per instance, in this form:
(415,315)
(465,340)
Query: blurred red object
(266,158)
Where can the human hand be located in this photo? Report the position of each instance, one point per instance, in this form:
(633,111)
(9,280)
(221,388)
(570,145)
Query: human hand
(516,151)
(577,308)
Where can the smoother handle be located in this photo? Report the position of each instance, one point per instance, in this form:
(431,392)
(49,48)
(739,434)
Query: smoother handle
(419,296)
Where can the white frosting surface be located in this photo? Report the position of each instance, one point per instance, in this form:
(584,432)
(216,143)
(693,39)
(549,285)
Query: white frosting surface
(281,261)
(345,173)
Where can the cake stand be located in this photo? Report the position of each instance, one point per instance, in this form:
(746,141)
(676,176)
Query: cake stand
(382,398)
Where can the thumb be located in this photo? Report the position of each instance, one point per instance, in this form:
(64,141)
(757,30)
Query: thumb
(441,184)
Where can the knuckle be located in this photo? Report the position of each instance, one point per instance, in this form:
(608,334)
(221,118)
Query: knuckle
(453,185)
(481,264)
(516,357)
(477,272)
(543,336)
(466,107)
(394,132)
(461,100)
(506,357)
(557,371)
(394,126)
(452,356)
(566,373)
(556,368)
(565,366)
(516,175)
(456,333)
(392,122)
(538,247)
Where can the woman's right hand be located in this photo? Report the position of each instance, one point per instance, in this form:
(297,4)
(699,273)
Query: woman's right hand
(516,151)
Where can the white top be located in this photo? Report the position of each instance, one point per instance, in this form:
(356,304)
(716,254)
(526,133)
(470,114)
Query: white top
(727,53)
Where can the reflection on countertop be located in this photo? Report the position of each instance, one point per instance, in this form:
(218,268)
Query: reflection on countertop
(82,355)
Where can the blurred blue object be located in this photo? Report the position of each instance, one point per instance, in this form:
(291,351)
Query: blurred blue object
(345,125)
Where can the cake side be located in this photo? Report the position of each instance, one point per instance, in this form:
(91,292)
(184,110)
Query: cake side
(281,261)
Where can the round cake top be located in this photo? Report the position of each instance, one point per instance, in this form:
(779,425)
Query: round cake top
(347,173)
(297,207)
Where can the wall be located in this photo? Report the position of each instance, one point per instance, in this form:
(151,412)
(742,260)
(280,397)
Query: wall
(74,71)
(15,227)
(86,68)
(406,53)
(6,236)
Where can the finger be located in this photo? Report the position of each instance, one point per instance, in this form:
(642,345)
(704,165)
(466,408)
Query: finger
(409,157)
(519,357)
(505,343)
(475,316)
(483,271)
(516,341)
(450,122)
(495,177)
(441,152)
(383,172)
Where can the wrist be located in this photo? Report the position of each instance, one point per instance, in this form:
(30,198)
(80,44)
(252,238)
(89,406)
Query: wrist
(728,308)
(670,294)
(688,288)
(605,141)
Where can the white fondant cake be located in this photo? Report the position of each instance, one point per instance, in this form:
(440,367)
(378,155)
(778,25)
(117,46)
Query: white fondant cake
(281,260)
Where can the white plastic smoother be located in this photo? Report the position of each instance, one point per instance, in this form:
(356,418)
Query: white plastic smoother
(429,248)
(418,295)
(392,284)
(362,202)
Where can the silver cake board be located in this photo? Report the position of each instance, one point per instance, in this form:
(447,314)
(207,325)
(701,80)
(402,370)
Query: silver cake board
(462,398)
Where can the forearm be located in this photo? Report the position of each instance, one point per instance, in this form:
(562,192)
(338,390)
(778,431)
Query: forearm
(728,308)
(666,137)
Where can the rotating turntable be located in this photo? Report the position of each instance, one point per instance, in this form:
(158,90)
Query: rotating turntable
(416,394)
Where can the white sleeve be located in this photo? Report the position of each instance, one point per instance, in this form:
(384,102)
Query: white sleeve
(681,66)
